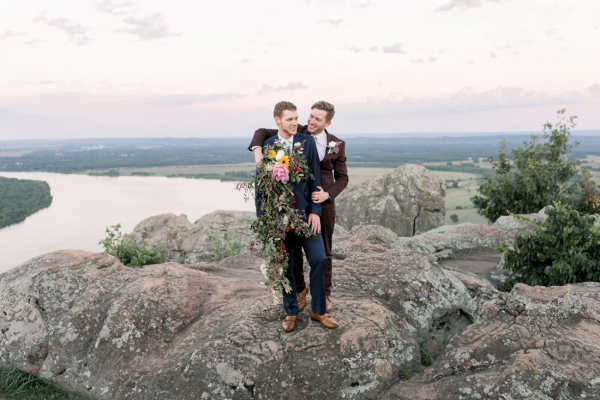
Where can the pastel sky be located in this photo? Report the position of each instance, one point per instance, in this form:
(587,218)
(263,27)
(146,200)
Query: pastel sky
(183,68)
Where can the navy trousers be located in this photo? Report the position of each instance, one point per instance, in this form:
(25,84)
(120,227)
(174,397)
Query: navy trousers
(315,255)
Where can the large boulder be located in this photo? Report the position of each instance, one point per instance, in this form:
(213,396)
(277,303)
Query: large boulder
(408,201)
(191,243)
(200,242)
(210,330)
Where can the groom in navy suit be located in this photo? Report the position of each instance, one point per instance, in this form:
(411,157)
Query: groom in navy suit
(286,118)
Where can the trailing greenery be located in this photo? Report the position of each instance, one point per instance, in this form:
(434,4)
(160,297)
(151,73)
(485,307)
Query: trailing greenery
(230,246)
(407,371)
(19,385)
(129,252)
(563,249)
(19,198)
(531,176)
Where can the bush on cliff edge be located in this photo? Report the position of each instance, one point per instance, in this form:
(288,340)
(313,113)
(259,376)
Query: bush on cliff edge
(129,252)
(565,248)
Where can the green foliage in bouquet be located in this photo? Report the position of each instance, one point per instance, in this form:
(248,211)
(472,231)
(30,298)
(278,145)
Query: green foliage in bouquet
(563,249)
(531,176)
(279,170)
(129,252)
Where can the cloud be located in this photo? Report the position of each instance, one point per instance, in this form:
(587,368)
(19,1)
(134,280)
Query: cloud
(464,4)
(594,89)
(334,22)
(10,33)
(395,48)
(75,32)
(428,60)
(289,86)
(148,28)
(182,100)
(493,55)
(45,82)
(355,49)
(467,101)
(116,8)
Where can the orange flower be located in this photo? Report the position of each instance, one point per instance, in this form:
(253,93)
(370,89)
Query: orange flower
(285,161)
(289,228)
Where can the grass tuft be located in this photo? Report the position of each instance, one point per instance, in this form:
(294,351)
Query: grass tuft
(18,385)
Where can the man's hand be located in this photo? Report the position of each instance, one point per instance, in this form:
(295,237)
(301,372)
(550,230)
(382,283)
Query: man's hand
(258,155)
(314,221)
(320,196)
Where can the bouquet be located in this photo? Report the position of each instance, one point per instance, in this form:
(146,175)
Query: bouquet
(279,170)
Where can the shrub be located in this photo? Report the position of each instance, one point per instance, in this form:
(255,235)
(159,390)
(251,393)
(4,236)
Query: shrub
(563,249)
(129,252)
(531,176)
(454,218)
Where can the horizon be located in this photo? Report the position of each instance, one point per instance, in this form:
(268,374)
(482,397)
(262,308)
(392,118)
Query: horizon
(120,68)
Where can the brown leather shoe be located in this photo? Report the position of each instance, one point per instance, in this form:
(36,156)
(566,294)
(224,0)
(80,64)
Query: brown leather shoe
(302,299)
(325,319)
(328,304)
(289,323)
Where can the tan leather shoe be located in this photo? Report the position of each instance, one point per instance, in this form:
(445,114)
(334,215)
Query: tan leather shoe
(302,299)
(328,304)
(289,323)
(325,319)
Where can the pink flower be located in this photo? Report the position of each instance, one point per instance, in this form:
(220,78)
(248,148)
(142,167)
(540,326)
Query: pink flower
(280,173)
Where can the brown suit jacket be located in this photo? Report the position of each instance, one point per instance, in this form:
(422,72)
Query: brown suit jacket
(334,173)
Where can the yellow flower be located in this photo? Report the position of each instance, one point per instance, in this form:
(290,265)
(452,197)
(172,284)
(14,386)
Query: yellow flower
(271,155)
(285,161)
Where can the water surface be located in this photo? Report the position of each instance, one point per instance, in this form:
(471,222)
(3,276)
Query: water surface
(84,206)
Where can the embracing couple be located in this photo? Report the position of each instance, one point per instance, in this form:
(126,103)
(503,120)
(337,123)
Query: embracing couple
(326,157)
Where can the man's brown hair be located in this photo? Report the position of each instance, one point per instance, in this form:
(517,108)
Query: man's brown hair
(325,106)
(281,107)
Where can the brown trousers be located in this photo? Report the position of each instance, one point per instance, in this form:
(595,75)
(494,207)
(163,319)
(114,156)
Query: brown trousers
(327,224)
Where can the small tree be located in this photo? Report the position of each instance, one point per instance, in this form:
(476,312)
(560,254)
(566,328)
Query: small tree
(531,176)
(454,218)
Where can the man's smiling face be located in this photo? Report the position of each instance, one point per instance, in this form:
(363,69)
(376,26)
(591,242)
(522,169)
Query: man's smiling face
(317,121)
(288,122)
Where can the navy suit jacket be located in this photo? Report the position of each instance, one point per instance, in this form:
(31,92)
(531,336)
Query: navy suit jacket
(303,189)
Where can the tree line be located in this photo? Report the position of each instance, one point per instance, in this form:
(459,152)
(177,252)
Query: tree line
(20,198)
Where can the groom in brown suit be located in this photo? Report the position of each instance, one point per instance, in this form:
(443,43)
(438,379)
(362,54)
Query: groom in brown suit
(334,179)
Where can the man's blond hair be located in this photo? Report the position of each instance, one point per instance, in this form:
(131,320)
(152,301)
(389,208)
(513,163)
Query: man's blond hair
(281,107)
(325,106)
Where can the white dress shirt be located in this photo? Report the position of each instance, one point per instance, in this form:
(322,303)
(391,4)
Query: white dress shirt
(321,141)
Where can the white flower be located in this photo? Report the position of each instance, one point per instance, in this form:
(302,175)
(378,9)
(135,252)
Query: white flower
(285,221)
(263,269)
(280,154)
(332,143)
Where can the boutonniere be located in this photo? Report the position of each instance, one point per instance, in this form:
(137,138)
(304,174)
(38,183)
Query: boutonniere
(298,147)
(333,147)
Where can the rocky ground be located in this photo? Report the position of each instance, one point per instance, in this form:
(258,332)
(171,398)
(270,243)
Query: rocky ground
(209,330)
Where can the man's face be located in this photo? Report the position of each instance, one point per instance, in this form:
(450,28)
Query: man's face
(288,123)
(317,121)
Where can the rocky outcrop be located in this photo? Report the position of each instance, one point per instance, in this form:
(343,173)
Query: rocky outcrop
(209,330)
(95,327)
(516,226)
(408,201)
(199,242)
(191,243)
(535,343)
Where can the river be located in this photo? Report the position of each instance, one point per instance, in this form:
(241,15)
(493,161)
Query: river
(84,206)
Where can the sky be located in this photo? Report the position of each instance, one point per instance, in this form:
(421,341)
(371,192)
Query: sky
(127,68)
